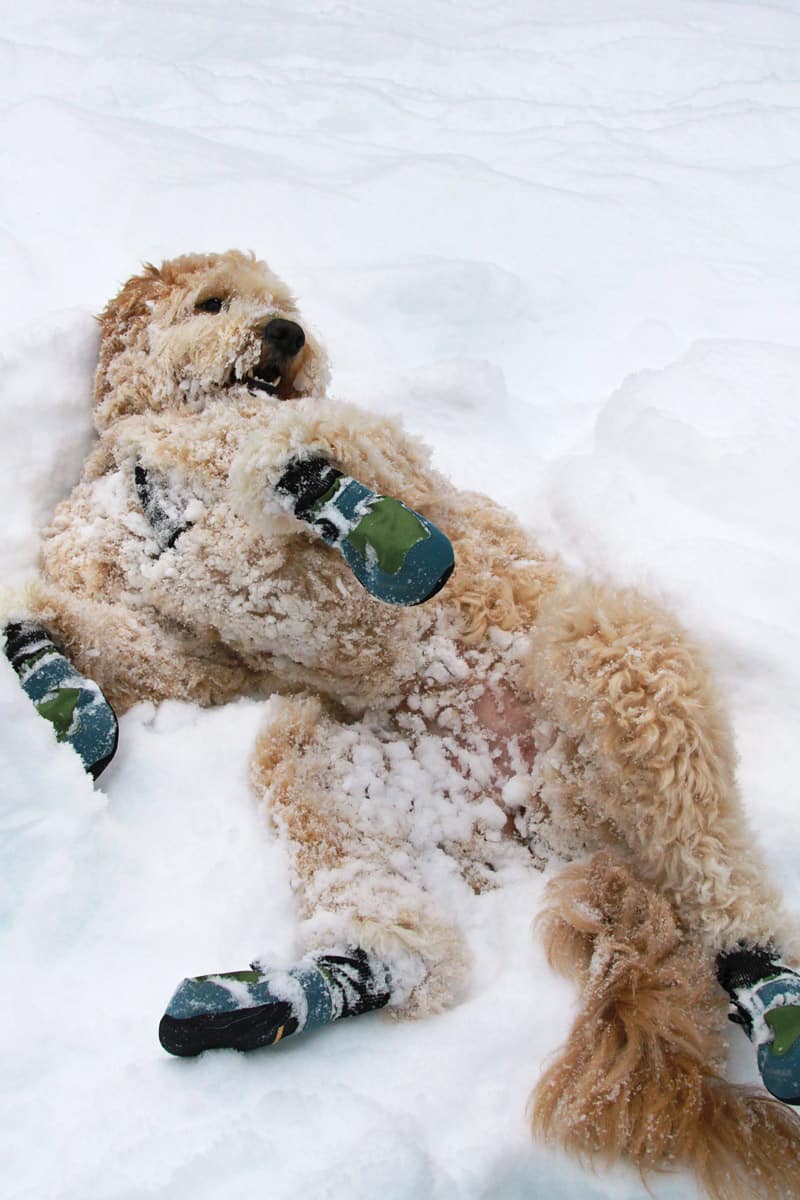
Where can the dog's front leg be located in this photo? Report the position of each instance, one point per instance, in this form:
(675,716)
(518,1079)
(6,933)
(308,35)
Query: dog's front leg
(395,552)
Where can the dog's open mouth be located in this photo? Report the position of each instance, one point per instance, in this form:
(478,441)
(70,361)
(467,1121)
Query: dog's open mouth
(265,379)
(269,378)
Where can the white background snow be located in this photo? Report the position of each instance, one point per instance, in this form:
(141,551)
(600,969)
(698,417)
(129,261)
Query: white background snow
(563,239)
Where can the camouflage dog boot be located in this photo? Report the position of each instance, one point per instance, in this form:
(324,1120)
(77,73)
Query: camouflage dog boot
(398,555)
(242,1010)
(765,1000)
(74,705)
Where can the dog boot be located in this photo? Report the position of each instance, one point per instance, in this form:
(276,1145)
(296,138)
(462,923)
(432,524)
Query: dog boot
(242,1010)
(74,705)
(399,556)
(765,997)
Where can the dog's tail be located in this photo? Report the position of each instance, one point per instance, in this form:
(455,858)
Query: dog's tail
(638,1076)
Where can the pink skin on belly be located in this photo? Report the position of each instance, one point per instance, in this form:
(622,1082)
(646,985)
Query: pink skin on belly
(504,716)
(498,722)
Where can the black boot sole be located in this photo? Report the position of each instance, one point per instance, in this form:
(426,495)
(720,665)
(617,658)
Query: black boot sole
(243,1029)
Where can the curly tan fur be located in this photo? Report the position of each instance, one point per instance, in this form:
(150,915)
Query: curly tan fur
(398,745)
(625,682)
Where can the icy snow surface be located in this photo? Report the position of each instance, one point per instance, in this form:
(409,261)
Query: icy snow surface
(562,240)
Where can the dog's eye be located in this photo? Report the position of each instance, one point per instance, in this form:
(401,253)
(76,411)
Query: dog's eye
(212,305)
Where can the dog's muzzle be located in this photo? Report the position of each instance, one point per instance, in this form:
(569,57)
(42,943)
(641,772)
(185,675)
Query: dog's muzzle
(282,342)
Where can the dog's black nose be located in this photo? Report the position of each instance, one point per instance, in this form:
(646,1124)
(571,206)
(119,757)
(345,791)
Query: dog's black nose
(284,337)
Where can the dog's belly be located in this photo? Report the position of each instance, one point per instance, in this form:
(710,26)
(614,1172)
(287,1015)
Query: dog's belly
(468,700)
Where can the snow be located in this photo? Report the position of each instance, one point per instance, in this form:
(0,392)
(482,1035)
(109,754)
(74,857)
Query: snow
(562,241)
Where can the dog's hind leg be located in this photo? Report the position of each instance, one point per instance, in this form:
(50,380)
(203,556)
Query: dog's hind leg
(639,1076)
(336,792)
(621,679)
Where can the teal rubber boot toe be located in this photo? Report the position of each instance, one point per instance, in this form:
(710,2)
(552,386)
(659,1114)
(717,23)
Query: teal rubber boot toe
(778,1041)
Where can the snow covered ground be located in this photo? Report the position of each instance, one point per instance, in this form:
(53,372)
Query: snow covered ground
(562,240)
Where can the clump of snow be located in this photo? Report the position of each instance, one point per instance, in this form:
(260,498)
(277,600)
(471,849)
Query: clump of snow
(564,247)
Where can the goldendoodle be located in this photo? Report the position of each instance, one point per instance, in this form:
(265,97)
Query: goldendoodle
(520,711)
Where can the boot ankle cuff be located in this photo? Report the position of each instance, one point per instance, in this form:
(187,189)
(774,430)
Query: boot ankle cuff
(745,965)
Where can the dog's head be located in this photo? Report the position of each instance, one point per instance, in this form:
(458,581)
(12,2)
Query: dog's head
(199,329)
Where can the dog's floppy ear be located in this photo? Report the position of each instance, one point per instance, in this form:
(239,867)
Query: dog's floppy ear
(133,300)
(119,322)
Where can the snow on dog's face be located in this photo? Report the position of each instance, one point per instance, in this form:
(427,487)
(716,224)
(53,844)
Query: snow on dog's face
(199,329)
